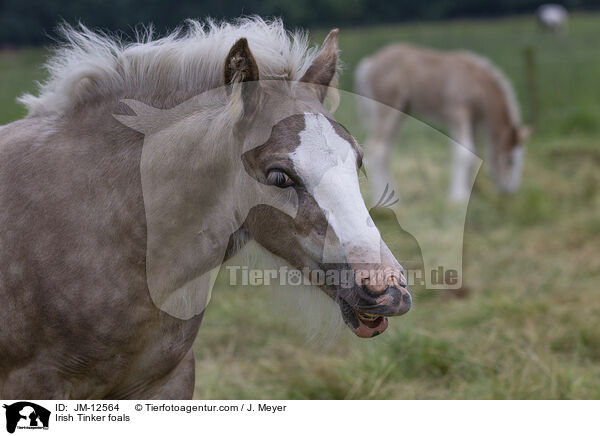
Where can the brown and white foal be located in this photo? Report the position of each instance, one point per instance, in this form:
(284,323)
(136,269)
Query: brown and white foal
(110,223)
(457,89)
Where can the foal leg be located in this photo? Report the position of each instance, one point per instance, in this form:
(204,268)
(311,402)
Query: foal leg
(383,132)
(462,159)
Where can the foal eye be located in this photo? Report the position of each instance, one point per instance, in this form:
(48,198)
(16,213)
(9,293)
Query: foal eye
(279,178)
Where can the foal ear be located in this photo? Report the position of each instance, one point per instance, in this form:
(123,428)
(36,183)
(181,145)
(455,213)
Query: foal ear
(241,67)
(322,71)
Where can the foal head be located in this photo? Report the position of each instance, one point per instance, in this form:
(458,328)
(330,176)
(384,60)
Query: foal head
(507,157)
(291,142)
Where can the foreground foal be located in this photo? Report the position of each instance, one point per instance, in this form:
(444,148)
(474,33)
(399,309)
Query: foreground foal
(458,89)
(107,220)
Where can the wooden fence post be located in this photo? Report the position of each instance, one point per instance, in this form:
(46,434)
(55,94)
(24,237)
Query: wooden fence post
(531,83)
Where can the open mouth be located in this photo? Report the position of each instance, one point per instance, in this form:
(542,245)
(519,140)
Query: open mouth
(370,324)
(362,324)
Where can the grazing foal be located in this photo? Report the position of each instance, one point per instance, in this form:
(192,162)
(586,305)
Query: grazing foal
(457,89)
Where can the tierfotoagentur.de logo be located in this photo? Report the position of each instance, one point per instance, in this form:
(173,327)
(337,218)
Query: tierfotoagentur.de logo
(27,416)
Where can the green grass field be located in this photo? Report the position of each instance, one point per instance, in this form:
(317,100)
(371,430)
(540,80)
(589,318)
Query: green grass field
(531,325)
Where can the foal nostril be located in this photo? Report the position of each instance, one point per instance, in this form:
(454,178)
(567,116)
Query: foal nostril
(401,300)
(406,302)
(380,282)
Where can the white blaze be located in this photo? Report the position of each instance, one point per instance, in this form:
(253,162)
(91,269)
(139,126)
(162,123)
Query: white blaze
(327,163)
(516,170)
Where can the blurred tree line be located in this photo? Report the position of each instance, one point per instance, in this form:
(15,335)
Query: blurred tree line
(32,21)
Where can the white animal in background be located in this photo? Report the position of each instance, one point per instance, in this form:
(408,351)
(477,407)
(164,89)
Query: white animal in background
(552,17)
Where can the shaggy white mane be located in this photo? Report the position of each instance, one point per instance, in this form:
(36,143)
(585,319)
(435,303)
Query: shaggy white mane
(90,65)
(505,85)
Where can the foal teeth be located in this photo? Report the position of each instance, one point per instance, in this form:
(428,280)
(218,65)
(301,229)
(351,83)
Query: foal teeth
(367,316)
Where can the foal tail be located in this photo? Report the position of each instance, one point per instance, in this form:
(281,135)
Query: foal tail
(364,94)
